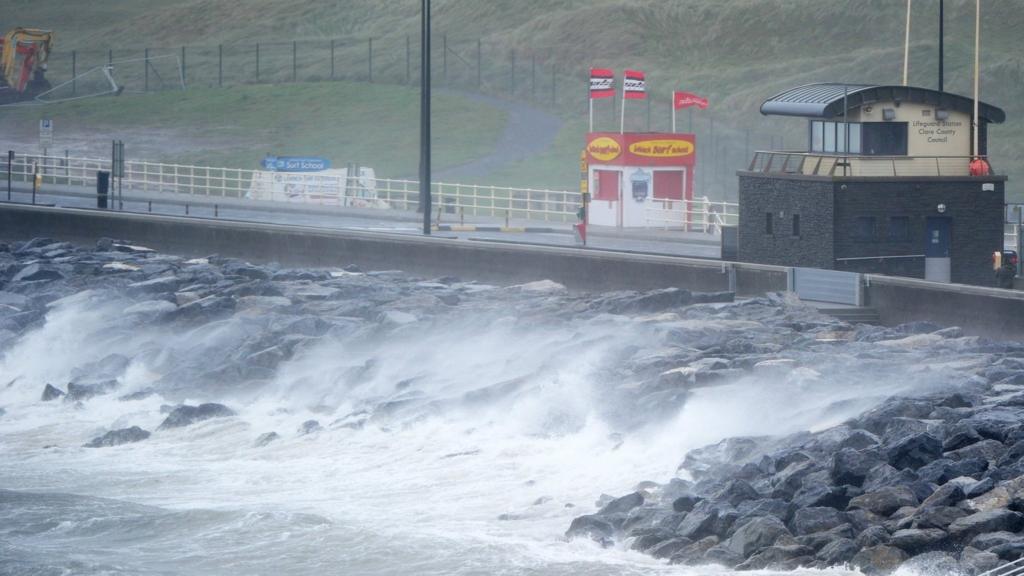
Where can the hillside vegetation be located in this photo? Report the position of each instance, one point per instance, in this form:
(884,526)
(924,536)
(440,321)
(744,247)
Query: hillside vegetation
(736,52)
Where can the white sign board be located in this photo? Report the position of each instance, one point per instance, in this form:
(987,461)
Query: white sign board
(327,187)
(46,132)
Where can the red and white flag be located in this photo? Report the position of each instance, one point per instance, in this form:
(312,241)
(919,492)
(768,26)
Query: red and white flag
(634,87)
(602,83)
(686,99)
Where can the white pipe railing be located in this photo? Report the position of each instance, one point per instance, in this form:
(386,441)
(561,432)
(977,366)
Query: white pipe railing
(700,214)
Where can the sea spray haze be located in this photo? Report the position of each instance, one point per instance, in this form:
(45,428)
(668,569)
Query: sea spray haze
(377,423)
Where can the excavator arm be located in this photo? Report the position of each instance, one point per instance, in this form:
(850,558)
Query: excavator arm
(33,47)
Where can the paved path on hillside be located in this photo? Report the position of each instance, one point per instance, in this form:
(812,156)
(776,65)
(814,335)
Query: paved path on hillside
(528,132)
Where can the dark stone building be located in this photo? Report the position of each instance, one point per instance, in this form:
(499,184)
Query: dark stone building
(859,200)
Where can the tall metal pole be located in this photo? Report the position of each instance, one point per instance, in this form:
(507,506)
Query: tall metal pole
(425,116)
(906,47)
(942,40)
(977,64)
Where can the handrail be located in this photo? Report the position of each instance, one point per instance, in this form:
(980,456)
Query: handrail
(826,164)
(1014,572)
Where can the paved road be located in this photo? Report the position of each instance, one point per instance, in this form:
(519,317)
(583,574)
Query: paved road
(394,221)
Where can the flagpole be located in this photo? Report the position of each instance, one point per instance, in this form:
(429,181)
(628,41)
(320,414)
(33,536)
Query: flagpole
(977,63)
(906,47)
(622,116)
(590,98)
(673,104)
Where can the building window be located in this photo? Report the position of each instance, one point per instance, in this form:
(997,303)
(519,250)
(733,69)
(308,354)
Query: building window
(899,228)
(832,137)
(864,228)
(796,225)
(885,138)
(769,227)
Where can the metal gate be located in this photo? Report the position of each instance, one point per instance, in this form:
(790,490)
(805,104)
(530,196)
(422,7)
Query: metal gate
(832,286)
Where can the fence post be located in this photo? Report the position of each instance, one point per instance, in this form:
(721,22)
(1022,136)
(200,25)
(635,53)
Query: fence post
(10,162)
(257,61)
(649,98)
(479,66)
(74,72)
(145,63)
(295,51)
(408,61)
(369,59)
(183,68)
(220,64)
(512,76)
(554,80)
(332,59)
(444,57)
(533,78)
(110,57)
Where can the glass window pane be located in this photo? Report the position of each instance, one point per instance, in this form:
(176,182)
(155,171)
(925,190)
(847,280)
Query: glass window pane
(854,138)
(817,135)
(830,137)
(840,137)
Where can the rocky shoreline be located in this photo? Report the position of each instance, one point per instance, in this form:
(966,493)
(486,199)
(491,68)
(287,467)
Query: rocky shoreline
(935,481)
(928,468)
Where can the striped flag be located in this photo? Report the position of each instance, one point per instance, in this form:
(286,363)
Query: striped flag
(634,87)
(602,83)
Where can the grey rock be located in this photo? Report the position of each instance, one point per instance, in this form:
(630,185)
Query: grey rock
(986,521)
(936,516)
(879,559)
(916,540)
(789,557)
(669,547)
(266,438)
(975,561)
(873,536)
(593,527)
(51,393)
(980,487)
(986,450)
(685,503)
(737,491)
(694,553)
(961,435)
(914,451)
(849,466)
(310,427)
(945,469)
(838,551)
(78,392)
(622,505)
(811,520)
(756,534)
(722,556)
(186,415)
(766,507)
(885,501)
(946,495)
(700,522)
(993,539)
(36,273)
(118,437)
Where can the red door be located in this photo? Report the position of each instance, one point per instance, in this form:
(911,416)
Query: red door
(607,185)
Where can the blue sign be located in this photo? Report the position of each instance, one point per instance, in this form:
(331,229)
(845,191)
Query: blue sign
(295,164)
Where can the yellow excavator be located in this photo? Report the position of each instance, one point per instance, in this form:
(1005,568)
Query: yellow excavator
(23,56)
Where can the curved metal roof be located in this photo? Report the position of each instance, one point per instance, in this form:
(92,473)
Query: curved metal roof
(826,100)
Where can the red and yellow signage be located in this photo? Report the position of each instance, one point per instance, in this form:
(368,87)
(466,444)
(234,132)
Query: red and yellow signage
(641,149)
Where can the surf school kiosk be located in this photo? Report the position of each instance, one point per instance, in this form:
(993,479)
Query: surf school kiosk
(640,179)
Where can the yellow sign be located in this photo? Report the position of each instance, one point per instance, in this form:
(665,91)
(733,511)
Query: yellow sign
(661,148)
(604,149)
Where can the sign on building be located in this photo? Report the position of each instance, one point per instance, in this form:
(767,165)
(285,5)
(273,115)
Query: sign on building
(46,133)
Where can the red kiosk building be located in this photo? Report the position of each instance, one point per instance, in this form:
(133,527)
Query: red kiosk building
(640,179)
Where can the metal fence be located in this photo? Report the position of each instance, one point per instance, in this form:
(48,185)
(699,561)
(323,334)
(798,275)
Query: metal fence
(812,164)
(451,199)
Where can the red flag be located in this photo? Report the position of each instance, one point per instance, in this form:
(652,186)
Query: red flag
(687,99)
(602,83)
(634,87)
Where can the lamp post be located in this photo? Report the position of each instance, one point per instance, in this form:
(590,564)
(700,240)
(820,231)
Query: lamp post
(425,116)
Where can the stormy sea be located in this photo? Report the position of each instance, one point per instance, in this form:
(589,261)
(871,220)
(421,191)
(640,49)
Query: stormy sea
(170,415)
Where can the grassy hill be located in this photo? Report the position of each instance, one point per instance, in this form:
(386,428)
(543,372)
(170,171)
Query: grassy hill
(736,52)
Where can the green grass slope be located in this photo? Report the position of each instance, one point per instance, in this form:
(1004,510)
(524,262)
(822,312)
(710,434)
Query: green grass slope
(736,52)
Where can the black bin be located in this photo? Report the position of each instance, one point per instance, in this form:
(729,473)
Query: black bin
(102,188)
(730,243)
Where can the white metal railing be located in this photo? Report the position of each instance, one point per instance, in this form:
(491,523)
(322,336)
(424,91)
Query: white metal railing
(160,178)
(1010,235)
(700,214)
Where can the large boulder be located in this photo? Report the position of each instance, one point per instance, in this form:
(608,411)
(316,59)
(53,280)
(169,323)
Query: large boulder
(915,540)
(885,501)
(51,393)
(592,526)
(118,437)
(937,516)
(946,495)
(849,466)
(38,273)
(914,451)
(756,534)
(186,415)
(838,551)
(787,557)
(880,559)
(996,520)
(818,519)
(622,505)
(700,522)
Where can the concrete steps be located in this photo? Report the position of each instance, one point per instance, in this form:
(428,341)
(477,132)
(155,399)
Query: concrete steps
(853,315)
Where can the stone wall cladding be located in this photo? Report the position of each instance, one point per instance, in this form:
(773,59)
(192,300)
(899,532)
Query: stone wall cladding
(812,199)
(977,225)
